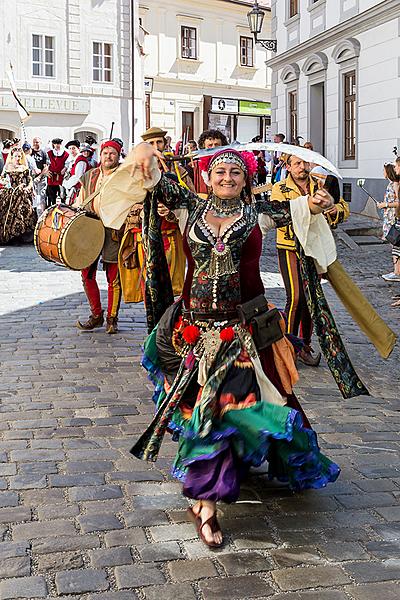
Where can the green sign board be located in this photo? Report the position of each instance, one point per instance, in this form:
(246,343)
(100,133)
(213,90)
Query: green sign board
(254,108)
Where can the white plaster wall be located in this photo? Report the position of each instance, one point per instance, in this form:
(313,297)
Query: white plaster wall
(75,24)
(378,92)
(181,84)
(335,12)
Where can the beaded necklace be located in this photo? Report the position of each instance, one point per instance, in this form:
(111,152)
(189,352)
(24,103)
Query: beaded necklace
(221,261)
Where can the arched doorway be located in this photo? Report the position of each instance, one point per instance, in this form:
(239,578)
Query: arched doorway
(82,135)
(7,134)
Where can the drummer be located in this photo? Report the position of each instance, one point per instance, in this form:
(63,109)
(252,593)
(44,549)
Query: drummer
(91,183)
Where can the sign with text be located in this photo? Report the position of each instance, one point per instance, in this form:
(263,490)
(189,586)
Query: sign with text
(249,107)
(225,105)
(47,104)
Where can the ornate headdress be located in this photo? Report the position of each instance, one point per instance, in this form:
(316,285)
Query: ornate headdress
(244,160)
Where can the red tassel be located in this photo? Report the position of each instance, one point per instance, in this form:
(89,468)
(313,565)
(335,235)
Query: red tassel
(191,334)
(227,334)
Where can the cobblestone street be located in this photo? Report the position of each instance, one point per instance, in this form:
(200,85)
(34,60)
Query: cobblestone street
(81,518)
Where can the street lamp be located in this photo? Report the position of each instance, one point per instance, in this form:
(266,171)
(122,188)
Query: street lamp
(256,19)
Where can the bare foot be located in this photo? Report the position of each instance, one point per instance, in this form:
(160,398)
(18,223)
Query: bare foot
(205,510)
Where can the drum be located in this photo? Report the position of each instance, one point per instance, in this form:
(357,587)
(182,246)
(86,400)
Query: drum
(69,237)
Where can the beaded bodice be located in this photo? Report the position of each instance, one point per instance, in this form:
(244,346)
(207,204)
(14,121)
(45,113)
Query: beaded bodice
(215,284)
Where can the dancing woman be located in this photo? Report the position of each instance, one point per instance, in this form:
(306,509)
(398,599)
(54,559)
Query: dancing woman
(229,404)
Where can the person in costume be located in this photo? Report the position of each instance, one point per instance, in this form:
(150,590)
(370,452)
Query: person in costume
(225,392)
(210,138)
(7,145)
(299,183)
(91,183)
(17,214)
(73,150)
(131,258)
(41,159)
(57,169)
(80,166)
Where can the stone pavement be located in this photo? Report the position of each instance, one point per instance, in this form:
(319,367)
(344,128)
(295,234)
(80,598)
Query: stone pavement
(80,518)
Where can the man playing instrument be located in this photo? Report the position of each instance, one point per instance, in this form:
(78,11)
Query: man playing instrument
(299,183)
(88,197)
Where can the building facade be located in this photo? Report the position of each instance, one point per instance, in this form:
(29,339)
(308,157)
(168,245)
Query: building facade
(203,70)
(335,82)
(72,64)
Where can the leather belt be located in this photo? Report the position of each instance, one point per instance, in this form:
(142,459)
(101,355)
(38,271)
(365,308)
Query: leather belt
(195,315)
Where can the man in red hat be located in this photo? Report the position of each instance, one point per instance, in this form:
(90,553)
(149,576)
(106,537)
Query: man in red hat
(91,183)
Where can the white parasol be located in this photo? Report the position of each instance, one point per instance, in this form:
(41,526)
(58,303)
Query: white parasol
(303,153)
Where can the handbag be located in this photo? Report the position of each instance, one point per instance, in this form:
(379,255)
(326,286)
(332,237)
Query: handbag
(264,322)
(393,235)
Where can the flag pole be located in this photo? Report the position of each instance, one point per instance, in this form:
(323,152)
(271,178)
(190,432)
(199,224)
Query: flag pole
(23,113)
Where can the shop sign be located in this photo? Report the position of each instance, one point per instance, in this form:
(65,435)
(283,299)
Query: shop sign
(249,107)
(225,105)
(47,104)
(148,85)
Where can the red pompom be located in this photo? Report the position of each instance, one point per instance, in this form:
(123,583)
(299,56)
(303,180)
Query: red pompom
(191,334)
(227,334)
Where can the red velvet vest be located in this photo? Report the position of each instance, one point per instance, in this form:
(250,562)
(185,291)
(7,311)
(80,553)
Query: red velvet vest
(57,163)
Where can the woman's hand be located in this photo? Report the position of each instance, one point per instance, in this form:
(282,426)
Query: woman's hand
(320,202)
(381,205)
(143,159)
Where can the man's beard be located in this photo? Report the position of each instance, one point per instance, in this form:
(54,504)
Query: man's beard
(111,165)
(303,175)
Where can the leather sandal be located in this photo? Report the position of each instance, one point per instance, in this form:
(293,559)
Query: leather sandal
(212,522)
(195,517)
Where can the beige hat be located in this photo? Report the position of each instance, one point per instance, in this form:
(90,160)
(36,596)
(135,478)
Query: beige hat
(153,133)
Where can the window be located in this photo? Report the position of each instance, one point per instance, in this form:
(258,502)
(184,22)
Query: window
(293,8)
(347,192)
(293,115)
(349,90)
(246,52)
(102,62)
(189,42)
(42,55)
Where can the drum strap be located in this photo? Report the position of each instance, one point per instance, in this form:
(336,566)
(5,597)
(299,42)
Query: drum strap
(89,199)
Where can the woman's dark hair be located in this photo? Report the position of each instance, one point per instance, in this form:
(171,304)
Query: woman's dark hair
(390,172)
(212,134)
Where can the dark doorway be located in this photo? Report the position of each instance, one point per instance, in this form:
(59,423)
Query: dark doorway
(147,106)
(317,116)
(188,125)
